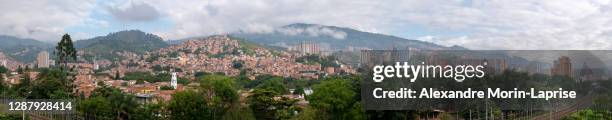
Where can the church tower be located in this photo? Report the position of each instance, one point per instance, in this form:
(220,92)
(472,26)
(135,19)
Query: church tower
(173,80)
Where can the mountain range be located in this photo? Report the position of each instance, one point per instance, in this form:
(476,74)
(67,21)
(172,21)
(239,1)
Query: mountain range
(328,37)
(134,41)
(22,49)
(332,38)
(130,40)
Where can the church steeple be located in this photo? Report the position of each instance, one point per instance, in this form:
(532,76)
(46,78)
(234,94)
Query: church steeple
(173,80)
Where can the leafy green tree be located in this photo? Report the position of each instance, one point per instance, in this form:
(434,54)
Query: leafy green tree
(24,88)
(173,55)
(298,91)
(295,83)
(268,104)
(308,113)
(275,84)
(200,74)
(139,81)
(96,108)
(238,112)
(335,99)
(153,111)
(183,81)
(100,83)
(216,98)
(242,79)
(51,84)
(220,91)
(4,116)
(188,105)
(589,114)
(123,105)
(263,104)
(3,86)
(166,87)
(152,58)
(3,70)
(19,70)
(259,80)
(158,68)
(146,76)
(65,51)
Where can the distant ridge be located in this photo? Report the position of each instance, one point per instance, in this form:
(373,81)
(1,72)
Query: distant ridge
(24,50)
(333,37)
(130,40)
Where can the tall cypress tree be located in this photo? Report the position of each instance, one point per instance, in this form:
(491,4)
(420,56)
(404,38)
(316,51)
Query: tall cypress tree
(65,51)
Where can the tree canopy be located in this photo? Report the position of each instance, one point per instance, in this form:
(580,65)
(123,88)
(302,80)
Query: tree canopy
(65,51)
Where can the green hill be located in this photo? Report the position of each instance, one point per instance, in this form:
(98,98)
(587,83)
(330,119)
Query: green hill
(24,50)
(335,37)
(131,40)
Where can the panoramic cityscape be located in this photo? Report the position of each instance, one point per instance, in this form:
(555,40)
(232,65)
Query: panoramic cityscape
(304,60)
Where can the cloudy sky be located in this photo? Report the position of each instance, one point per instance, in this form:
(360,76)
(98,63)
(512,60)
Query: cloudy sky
(475,24)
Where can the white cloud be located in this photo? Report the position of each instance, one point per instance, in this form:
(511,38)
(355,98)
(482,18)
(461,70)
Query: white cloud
(564,24)
(134,12)
(490,24)
(313,31)
(480,24)
(426,38)
(258,28)
(197,18)
(41,19)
